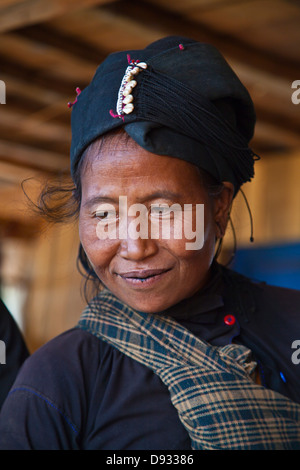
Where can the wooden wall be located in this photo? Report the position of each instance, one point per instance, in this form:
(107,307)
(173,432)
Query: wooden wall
(274,199)
(54,300)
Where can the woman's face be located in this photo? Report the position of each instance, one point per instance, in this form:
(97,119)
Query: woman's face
(146,270)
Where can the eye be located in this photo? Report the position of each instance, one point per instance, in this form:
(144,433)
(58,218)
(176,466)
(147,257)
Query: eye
(160,211)
(102,215)
(105,214)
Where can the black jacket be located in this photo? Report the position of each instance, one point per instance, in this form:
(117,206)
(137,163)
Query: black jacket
(269,319)
(79,392)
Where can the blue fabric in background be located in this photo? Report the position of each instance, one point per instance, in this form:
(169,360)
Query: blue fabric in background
(278,265)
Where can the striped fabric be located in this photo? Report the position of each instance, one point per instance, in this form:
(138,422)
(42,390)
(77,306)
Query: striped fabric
(211,387)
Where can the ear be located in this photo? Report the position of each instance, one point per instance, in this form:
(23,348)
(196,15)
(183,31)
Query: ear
(222,206)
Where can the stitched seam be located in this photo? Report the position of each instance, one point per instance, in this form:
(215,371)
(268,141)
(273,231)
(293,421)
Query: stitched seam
(48,402)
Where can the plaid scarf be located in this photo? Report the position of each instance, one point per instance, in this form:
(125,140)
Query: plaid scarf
(211,387)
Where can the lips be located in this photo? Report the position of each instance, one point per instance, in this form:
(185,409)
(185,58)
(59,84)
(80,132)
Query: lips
(143,278)
(142,274)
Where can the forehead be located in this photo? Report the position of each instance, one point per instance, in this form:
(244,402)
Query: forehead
(119,158)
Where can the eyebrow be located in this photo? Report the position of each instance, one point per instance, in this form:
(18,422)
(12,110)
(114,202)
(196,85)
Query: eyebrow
(156,195)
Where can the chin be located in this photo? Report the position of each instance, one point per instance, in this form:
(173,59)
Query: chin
(154,305)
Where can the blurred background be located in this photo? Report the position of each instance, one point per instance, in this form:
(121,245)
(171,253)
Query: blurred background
(50,47)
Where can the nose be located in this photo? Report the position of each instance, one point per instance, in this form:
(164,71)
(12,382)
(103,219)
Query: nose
(137,249)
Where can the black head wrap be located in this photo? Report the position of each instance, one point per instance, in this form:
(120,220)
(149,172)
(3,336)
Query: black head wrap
(176,97)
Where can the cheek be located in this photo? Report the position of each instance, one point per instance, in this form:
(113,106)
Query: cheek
(195,236)
(196,255)
(100,252)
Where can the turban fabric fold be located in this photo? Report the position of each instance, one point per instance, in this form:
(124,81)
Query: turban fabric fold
(186,102)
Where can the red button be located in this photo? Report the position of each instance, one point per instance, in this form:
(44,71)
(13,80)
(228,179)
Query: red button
(229,320)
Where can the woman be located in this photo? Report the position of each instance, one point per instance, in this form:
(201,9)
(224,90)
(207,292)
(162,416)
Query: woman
(175,352)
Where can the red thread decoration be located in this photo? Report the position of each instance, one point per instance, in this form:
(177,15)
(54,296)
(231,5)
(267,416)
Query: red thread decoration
(114,115)
(181,47)
(132,61)
(78,91)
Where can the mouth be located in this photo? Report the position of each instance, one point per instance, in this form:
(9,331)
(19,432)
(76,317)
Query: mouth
(143,278)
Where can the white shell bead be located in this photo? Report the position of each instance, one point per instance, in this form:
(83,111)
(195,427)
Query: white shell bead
(143,65)
(127,91)
(135,70)
(128,108)
(128,99)
(128,88)
(131,84)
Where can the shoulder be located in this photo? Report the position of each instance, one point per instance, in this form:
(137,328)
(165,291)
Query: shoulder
(273,311)
(62,372)
(260,289)
(70,355)
(53,386)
